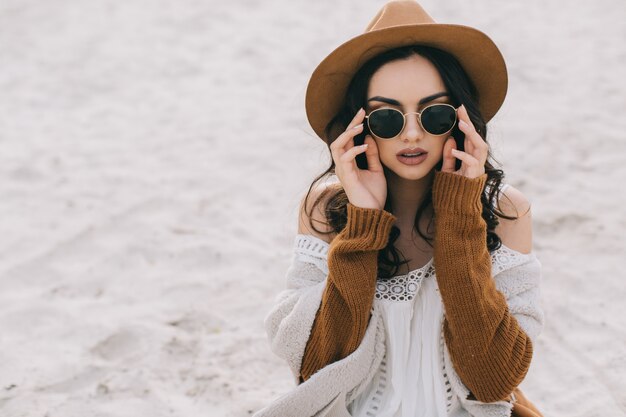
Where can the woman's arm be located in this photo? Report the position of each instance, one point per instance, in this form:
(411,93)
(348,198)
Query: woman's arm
(489,350)
(344,312)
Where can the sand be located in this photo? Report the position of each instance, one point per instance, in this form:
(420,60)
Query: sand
(152,157)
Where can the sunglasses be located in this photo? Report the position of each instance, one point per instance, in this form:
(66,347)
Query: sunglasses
(436,119)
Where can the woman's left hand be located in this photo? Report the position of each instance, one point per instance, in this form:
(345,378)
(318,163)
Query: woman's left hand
(476,149)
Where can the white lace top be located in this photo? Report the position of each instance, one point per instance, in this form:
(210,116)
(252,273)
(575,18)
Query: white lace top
(408,382)
(412,380)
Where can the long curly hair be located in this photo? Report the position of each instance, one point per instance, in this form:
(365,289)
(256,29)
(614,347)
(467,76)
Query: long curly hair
(462,91)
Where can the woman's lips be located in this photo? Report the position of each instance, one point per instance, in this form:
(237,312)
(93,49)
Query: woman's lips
(412,160)
(411,151)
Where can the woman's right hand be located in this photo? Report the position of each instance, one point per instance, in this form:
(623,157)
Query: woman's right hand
(366,188)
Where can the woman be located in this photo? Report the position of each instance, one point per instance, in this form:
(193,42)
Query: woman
(450,330)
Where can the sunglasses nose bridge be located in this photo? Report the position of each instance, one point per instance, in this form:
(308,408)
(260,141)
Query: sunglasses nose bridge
(419,119)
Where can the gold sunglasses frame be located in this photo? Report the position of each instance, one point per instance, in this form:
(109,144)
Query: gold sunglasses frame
(419,119)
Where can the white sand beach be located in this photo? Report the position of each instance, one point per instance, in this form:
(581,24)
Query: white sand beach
(152,158)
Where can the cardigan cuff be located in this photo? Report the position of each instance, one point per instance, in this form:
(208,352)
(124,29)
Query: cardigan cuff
(457,193)
(368,228)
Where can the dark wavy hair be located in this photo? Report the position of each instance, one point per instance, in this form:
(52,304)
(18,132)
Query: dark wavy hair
(462,91)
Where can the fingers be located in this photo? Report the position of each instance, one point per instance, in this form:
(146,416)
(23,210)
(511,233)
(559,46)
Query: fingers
(352,130)
(373,160)
(351,153)
(449,160)
(350,134)
(471,166)
(476,149)
(344,142)
(474,143)
(468,160)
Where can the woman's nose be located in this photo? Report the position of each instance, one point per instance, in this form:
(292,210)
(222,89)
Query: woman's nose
(412,128)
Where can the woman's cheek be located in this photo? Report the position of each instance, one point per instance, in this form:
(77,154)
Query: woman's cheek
(384,152)
(440,154)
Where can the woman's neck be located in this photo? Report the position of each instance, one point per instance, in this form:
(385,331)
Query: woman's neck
(406,196)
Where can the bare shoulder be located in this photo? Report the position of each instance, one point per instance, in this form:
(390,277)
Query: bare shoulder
(316,215)
(517,233)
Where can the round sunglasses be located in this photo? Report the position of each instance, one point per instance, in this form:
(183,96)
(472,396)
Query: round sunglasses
(436,119)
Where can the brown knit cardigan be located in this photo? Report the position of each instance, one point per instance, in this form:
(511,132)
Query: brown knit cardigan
(489,350)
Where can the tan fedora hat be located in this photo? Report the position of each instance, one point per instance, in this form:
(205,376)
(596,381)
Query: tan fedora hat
(400,23)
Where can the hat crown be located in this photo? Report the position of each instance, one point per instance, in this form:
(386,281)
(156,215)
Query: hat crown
(399,13)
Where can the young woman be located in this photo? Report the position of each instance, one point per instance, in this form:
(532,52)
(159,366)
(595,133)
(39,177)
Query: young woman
(414,290)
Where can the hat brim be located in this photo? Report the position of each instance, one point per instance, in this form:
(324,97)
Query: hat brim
(475,51)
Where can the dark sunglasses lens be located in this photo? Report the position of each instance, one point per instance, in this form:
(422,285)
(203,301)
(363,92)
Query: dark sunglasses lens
(437,120)
(386,123)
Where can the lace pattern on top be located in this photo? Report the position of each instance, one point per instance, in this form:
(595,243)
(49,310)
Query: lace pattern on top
(309,248)
(504,258)
(403,287)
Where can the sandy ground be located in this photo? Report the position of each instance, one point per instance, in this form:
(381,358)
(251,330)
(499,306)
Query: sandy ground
(152,157)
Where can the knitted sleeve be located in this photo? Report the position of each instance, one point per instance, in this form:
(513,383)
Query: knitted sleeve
(344,312)
(489,350)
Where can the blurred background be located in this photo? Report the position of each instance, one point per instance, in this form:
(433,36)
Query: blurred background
(152,158)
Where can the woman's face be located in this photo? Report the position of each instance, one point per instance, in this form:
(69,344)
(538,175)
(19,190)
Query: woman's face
(407,82)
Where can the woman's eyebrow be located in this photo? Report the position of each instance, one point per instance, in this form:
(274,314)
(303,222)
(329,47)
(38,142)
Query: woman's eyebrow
(397,103)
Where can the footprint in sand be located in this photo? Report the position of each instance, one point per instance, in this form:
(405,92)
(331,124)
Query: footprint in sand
(122,345)
(198,322)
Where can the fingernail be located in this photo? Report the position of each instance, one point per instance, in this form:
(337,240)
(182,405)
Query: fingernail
(358,126)
(462,123)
